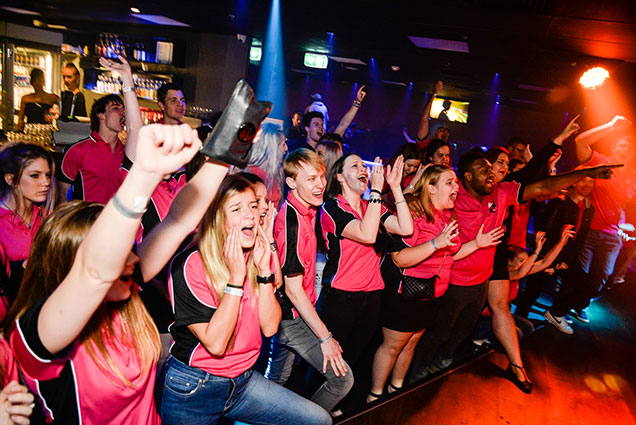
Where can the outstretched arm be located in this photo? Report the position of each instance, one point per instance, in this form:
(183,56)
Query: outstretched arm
(585,140)
(365,231)
(552,184)
(133,114)
(347,119)
(105,254)
(422,130)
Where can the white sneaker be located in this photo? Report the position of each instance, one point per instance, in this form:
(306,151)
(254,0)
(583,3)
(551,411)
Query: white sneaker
(559,323)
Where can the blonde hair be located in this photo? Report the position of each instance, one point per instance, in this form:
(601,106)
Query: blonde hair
(267,154)
(297,158)
(54,247)
(430,177)
(212,235)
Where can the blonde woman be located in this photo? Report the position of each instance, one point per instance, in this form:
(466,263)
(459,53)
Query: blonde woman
(429,252)
(222,293)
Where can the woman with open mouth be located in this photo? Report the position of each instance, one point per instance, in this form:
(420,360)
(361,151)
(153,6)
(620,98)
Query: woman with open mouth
(354,229)
(429,252)
(221,288)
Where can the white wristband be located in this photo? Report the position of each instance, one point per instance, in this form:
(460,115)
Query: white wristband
(233,291)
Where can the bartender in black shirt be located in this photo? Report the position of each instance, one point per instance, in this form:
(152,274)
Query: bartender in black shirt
(73,103)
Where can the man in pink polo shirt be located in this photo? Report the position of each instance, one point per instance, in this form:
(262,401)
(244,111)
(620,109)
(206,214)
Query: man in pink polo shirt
(480,201)
(92,164)
(301,329)
(603,243)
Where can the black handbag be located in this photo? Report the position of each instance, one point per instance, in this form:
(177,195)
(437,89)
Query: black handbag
(418,288)
(231,139)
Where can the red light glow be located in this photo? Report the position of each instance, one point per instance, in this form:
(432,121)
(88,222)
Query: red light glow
(594,78)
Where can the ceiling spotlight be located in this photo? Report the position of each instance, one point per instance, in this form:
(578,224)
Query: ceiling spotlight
(135,10)
(395,68)
(594,78)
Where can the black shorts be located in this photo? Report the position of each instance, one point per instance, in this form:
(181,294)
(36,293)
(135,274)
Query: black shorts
(500,268)
(403,315)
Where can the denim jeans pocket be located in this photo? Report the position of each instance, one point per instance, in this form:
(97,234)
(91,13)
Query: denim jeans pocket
(182,384)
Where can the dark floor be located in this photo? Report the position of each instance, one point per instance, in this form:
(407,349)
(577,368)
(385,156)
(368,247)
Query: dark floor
(586,378)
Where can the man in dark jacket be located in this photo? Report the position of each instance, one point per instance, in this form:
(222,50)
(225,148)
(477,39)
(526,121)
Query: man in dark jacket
(574,209)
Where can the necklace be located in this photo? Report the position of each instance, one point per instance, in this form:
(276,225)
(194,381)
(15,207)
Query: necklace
(27,224)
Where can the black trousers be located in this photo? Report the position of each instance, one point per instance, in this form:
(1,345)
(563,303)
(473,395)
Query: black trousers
(458,313)
(352,318)
(575,293)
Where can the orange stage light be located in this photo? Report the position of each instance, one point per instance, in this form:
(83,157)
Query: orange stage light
(594,78)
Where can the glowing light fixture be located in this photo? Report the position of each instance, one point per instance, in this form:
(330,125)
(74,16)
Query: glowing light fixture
(256,53)
(594,78)
(135,10)
(314,60)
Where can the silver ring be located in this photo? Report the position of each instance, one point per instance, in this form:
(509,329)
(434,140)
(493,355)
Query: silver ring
(32,405)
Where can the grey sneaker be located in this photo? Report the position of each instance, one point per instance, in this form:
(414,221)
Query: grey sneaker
(559,323)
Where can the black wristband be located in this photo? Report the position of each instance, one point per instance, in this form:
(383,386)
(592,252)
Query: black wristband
(268,279)
(235,286)
(376,191)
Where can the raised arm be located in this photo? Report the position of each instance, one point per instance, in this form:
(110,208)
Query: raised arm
(552,184)
(133,114)
(105,254)
(531,266)
(543,157)
(401,223)
(422,130)
(185,213)
(366,230)
(347,119)
(585,140)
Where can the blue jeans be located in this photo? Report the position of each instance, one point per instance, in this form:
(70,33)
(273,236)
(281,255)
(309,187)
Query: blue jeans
(296,335)
(598,255)
(192,396)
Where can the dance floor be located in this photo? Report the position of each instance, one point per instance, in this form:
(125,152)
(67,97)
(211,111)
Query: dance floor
(581,379)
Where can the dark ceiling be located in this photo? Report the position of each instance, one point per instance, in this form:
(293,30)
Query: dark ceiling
(531,43)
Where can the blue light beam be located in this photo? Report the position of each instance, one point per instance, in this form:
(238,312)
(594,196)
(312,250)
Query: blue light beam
(270,84)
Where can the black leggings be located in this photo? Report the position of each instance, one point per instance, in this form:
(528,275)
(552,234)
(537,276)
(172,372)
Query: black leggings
(352,318)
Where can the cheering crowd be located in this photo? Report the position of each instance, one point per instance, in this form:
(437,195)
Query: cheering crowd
(183,257)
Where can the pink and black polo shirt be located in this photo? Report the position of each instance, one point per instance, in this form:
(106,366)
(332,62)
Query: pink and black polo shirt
(471,214)
(194,300)
(93,168)
(295,236)
(351,266)
(73,389)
